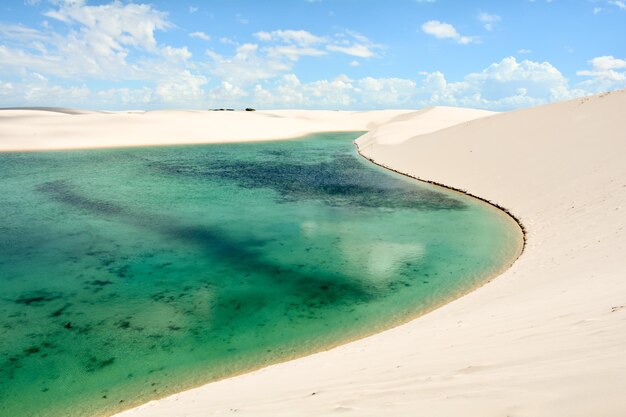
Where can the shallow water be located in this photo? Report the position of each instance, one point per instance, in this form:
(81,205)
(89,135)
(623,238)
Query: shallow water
(127,274)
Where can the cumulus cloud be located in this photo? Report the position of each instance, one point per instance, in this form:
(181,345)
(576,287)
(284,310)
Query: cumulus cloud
(502,85)
(98,41)
(604,66)
(112,26)
(606,73)
(117,43)
(441,30)
(36,89)
(247,65)
(113,42)
(278,51)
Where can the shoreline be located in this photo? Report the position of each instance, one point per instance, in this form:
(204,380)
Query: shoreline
(400,321)
(460,191)
(527,344)
(488,278)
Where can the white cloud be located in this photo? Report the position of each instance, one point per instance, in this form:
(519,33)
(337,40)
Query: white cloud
(606,73)
(291,44)
(604,63)
(441,30)
(128,97)
(489,20)
(98,42)
(290,92)
(175,54)
(279,50)
(361,51)
(354,44)
(388,92)
(247,66)
(35,89)
(524,51)
(292,52)
(112,26)
(200,35)
(298,37)
(349,43)
(502,85)
(114,42)
(117,42)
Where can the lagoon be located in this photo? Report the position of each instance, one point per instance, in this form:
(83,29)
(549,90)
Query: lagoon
(129,274)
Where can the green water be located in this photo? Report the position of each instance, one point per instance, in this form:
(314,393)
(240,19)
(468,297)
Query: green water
(127,274)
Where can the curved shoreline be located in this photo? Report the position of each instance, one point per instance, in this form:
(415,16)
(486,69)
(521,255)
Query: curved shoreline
(473,279)
(527,344)
(458,190)
(400,321)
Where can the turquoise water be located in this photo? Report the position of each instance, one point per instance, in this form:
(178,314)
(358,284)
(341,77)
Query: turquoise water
(128,274)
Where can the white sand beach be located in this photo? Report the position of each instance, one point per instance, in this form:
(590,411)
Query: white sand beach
(545,338)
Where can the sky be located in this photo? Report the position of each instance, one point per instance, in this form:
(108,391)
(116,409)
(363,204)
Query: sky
(314,54)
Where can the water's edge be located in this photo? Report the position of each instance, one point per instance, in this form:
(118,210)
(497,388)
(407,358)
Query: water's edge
(487,279)
(504,210)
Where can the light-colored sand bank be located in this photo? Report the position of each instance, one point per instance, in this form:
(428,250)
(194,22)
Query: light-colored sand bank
(546,338)
(49,128)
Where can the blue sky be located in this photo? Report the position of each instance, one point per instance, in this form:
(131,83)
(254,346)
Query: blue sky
(334,54)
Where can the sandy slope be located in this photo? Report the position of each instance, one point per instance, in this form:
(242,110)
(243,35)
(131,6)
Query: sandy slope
(546,338)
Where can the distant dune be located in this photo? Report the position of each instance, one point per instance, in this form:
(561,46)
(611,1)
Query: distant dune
(51,128)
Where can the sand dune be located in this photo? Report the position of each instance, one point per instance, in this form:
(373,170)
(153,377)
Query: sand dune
(543,339)
(49,128)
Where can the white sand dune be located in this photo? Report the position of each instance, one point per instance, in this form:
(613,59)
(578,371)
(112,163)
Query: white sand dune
(49,128)
(546,338)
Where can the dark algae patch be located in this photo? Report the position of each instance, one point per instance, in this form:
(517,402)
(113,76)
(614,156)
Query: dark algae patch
(127,274)
(337,180)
